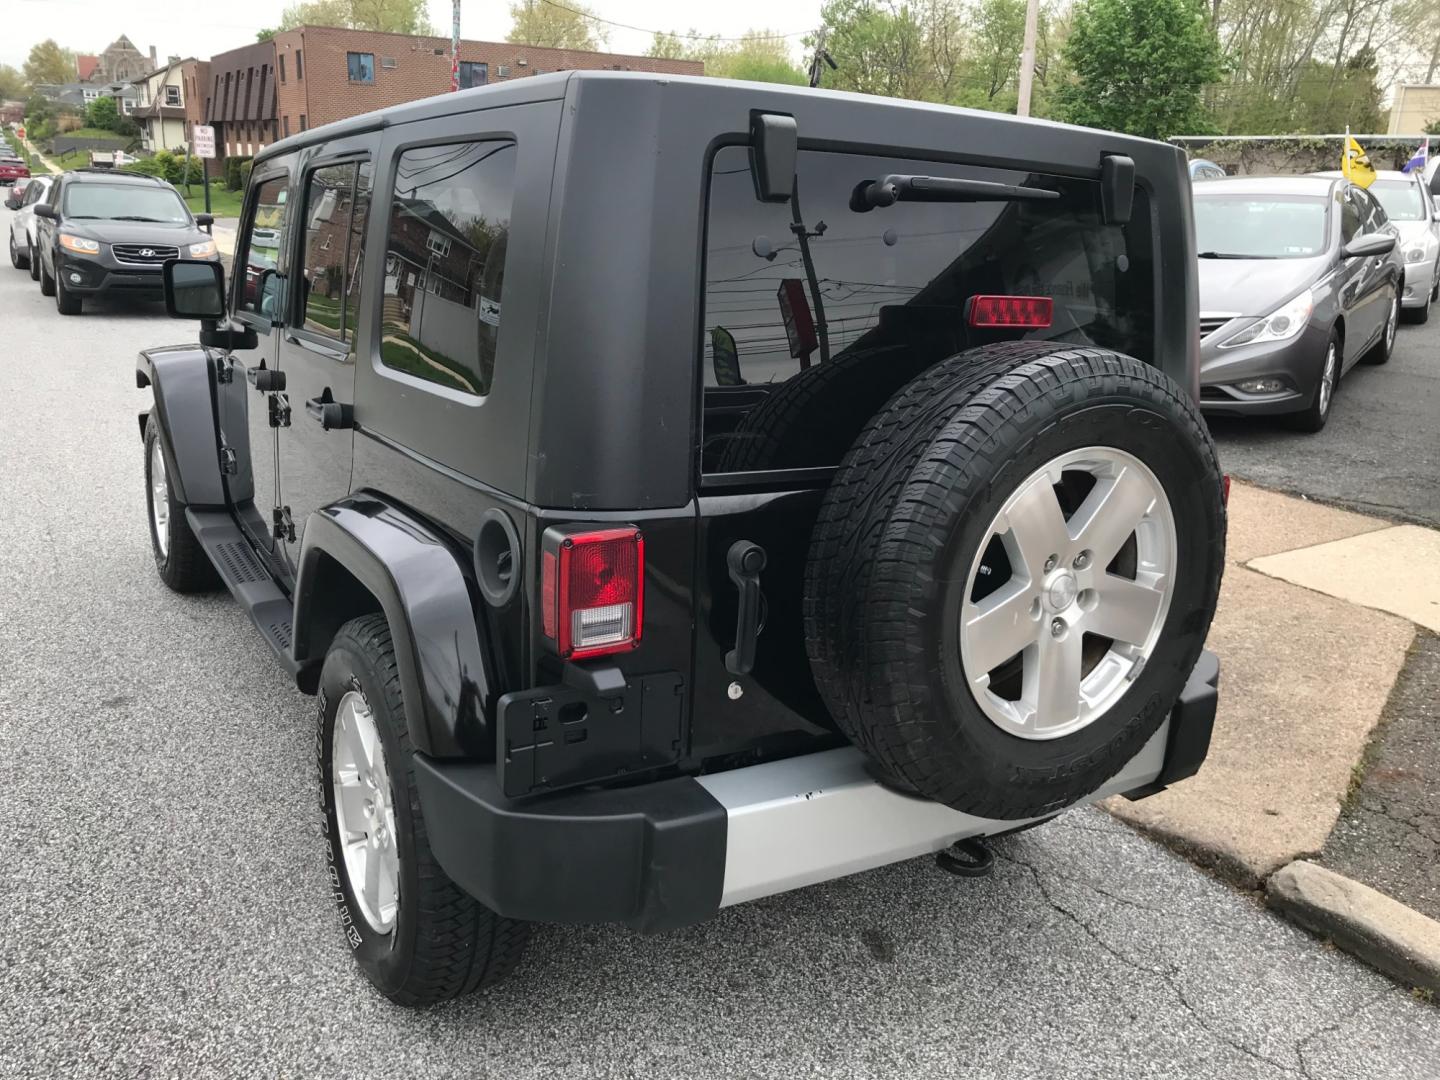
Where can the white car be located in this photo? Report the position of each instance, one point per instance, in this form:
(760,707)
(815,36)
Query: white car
(22,226)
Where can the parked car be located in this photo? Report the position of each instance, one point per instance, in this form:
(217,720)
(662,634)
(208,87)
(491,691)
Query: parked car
(23,226)
(1200,169)
(17,192)
(586,603)
(1411,209)
(12,168)
(101,231)
(1300,278)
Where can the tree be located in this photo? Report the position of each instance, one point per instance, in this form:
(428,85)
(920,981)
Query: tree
(392,16)
(879,47)
(574,26)
(12,84)
(49,64)
(1140,66)
(758,56)
(102,113)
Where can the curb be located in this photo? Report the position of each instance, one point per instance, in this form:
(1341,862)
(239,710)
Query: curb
(1366,923)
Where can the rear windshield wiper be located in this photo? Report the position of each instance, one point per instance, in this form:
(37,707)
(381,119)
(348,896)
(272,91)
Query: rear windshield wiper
(1232,255)
(889,190)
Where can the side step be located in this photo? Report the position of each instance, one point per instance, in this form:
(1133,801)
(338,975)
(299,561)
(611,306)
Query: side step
(248,581)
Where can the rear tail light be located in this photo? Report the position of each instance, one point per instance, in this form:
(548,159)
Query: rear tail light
(993,312)
(592,590)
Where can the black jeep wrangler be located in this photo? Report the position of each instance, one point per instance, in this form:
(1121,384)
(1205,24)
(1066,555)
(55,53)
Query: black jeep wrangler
(676,492)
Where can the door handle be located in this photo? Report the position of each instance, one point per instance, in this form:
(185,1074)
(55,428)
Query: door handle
(264,379)
(744,561)
(330,413)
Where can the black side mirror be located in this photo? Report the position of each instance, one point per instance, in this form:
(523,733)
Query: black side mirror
(45,210)
(194,289)
(774,148)
(204,220)
(1368,244)
(13,203)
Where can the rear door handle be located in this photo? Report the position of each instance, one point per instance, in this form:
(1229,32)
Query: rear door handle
(330,413)
(744,561)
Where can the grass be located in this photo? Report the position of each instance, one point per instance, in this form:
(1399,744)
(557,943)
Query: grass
(222,203)
(324,310)
(400,351)
(97,133)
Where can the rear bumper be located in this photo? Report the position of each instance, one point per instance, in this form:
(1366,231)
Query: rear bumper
(668,854)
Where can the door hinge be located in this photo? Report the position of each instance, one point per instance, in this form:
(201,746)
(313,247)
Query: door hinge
(224,371)
(229,462)
(284,527)
(279,410)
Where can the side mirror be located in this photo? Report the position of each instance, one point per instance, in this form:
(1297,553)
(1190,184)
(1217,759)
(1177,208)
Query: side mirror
(204,220)
(1369,244)
(45,210)
(194,289)
(13,203)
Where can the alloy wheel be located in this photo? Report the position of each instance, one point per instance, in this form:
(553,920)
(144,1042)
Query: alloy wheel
(1391,322)
(1327,379)
(159,499)
(365,812)
(1086,598)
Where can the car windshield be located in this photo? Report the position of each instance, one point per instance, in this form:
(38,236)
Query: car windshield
(125,202)
(1400,198)
(1259,226)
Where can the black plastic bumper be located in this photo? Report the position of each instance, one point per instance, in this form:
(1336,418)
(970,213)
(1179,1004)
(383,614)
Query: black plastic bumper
(100,275)
(651,856)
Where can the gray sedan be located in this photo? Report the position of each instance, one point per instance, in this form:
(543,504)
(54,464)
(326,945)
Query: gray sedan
(1299,279)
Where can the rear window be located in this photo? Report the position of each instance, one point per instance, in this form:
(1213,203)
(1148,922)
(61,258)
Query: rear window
(1400,198)
(815,312)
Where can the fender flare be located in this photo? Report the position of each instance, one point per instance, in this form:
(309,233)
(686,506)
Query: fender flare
(181,378)
(420,583)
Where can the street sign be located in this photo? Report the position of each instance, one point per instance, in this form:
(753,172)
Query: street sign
(203,137)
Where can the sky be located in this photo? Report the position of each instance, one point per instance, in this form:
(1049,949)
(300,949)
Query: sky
(202,28)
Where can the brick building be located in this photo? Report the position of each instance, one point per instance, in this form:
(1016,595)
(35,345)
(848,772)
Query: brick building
(240,99)
(325,74)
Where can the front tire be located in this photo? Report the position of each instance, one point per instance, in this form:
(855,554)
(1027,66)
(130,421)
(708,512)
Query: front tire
(47,283)
(33,258)
(17,260)
(1313,418)
(179,558)
(66,302)
(417,936)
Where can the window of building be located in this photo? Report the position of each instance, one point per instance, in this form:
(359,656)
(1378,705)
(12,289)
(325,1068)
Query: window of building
(337,204)
(285,120)
(299,64)
(886,291)
(361,66)
(282,68)
(473,74)
(388,62)
(172,95)
(259,291)
(445,263)
(303,125)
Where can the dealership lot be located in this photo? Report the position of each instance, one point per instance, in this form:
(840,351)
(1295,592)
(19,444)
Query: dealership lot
(168,912)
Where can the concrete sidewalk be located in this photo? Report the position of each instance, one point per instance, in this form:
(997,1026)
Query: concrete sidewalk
(47,162)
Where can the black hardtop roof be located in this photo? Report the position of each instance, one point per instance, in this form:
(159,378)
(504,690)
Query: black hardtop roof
(725,93)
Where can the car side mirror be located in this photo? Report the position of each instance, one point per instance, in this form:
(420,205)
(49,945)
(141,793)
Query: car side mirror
(13,203)
(45,210)
(194,289)
(204,220)
(1369,244)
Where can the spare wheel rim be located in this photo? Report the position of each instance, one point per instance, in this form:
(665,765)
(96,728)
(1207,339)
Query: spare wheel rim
(1062,603)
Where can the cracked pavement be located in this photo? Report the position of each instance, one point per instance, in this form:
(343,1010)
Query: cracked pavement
(167,915)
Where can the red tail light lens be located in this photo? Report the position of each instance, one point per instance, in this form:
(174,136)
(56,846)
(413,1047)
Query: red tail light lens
(991,312)
(592,590)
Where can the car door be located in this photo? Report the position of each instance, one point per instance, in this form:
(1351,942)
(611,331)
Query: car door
(249,381)
(1355,281)
(318,344)
(1379,281)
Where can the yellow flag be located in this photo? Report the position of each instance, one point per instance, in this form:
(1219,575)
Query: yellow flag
(1355,164)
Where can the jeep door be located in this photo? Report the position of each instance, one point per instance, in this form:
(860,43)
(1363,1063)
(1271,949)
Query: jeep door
(318,343)
(248,391)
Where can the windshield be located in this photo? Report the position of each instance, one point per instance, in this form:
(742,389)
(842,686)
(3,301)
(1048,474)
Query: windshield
(125,202)
(1260,226)
(1400,198)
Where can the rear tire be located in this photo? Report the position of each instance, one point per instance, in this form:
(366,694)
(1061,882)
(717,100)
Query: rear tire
(34,260)
(424,940)
(179,558)
(907,525)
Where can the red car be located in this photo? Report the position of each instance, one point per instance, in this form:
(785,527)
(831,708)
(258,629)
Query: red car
(12,170)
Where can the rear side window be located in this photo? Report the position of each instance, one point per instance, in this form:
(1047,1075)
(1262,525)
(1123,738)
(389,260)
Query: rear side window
(337,201)
(445,262)
(882,293)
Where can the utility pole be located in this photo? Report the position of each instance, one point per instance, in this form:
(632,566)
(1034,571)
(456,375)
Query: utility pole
(1027,57)
(455,47)
(821,58)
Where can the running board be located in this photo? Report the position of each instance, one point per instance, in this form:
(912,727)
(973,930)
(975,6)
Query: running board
(247,579)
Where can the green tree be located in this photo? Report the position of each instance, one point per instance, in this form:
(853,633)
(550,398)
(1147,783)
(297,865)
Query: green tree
(12,84)
(391,16)
(574,26)
(49,64)
(758,55)
(1140,66)
(102,113)
(879,46)
(1433,127)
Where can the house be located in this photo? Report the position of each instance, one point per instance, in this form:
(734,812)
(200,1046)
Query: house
(161,108)
(1415,106)
(87,68)
(121,62)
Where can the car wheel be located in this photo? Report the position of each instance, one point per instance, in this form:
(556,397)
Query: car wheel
(47,283)
(34,260)
(181,561)
(1380,352)
(66,302)
(17,260)
(416,935)
(1012,575)
(1313,418)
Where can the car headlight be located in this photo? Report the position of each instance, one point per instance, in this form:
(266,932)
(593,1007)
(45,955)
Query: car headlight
(1280,325)
(202,250)
(79,244)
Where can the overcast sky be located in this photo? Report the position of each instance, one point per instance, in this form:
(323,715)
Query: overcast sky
(205,27)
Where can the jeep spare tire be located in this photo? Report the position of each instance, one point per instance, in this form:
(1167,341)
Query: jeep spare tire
(1013,573)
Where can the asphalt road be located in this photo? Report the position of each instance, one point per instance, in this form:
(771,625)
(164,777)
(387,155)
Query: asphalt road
(1380,450)
(163,910)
